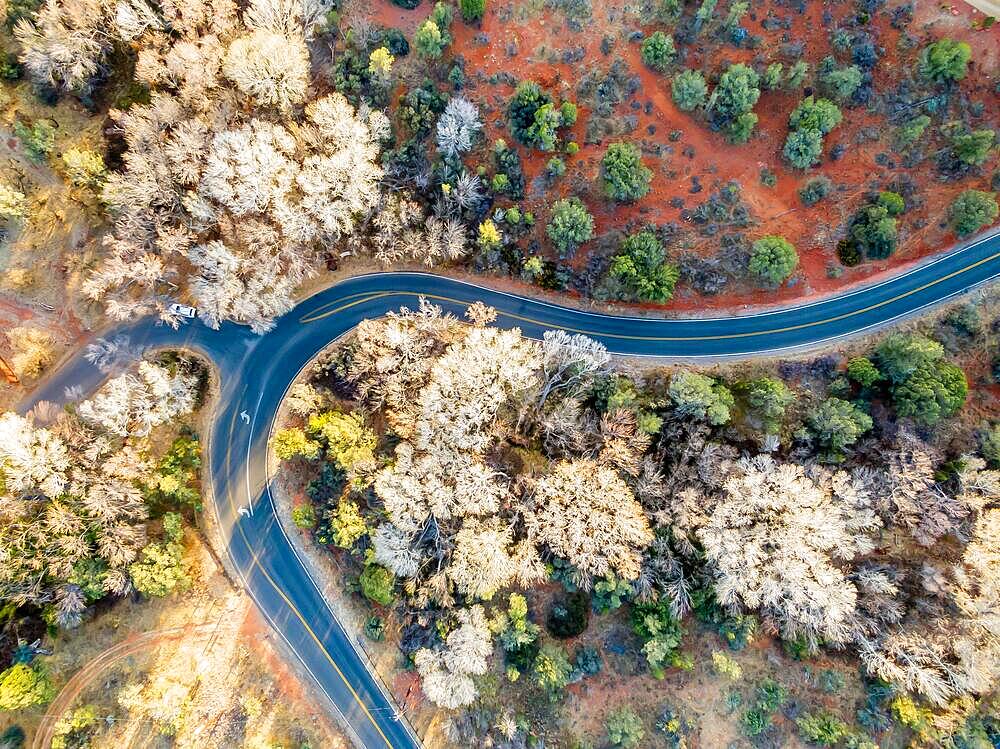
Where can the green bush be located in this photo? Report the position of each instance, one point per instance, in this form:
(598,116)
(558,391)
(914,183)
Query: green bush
(700,397)
(38,139)
(739,130)
(556,167)
(658,51)
(552,669)
(624,176)
(23,686)
(160,568)
(839,83)
(662,633)
(770,695)
(396,43)
(863,371)
(924,386)
(892,202)
(533,117)
(837,424)
(689,90)
(944,60)
(736,94)
(304,516)
(377,584)
(803,148)
(12,738)
(974,148)
(767,397)
(815,114)
(822,728)
(815,190)
(472,10)
(624,728)
(641,269)
(773,259)
(772,76)
(910,132)
(972,210)
(754,722)
(989,445)
(872,232)
(429,40)
(571,225)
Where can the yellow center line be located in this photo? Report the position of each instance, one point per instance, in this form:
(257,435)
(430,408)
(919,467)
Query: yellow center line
(255,562)
(367,297)
(621,336)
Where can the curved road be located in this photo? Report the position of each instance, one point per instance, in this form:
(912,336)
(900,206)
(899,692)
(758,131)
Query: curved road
(255,372)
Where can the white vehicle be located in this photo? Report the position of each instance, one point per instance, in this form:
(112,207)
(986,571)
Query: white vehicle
(183,310)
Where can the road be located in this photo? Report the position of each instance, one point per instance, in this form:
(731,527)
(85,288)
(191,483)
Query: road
(255,372)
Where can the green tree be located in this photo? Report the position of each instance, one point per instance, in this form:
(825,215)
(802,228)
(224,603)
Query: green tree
(910,132)
(429,40)
(773,259)
(624,176)
(472,10)
(701,397)
(803,148)
(892,202)
(377,584)
(989,445)
(347,523)
(662,634)
(737,92)
(815,114)
(797,74)
(658,51)
(293,443)
(924,386)
(571,225)
(739,130)
(944,60)
(772,76)
(160,569)
(837,424)
(552,669)
(822,728)
(624,727)
(534,118)
(640,267)
(839,83)
(972,210)
(873,232)
(24,686)
(304,516)
(348,441)
(689,90)
(973,149)
(768,397)
(863,371)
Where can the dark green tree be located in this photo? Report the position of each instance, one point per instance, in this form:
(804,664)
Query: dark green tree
(924,386)
(641,269)
(571,225)
(773,259)
(803,148)
(624,176)
(837,424)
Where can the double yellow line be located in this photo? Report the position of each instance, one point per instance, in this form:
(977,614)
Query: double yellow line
(255,562)
(322,312)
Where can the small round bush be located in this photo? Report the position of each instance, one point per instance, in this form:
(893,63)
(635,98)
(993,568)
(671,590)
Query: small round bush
(658,51)
(571,225)
(396,43)
(689,90)
(815,190)
(803,148)
(556,167)
(892,202)
(625,177)
(773,259)
(945,60)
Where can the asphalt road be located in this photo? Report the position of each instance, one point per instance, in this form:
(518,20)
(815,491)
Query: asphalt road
(256,371)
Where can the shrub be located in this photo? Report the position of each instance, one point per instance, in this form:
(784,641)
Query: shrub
(837,424)
(863,371)
(689,90)
(23,686)
(773,259)
(726,666)
(556,167)
(552,669)
(38,139)
(972,149)
(429,40)
(625,177)
(84,168)
(662,633)
(377,584)
(624,728)
(892,202)
(571,225)
(822,728)
(768,397)
(972,210)
(12,738)
(13,203)
(700,397)
(570,616)
(797,74)
(910,132)
(658,51)
(772,76)
(641,269)
(944,60)
(396,43)
(839,83)
(739,130)
(522,111)
(754,722)
(815,114)
(472,10)
(568,113)
(587,660)
(872,232)
(771,695)
(304,516)
(989,445)
(736,94)
(924,386)
(815,190)
(803,148)
(375,628)
(293,443)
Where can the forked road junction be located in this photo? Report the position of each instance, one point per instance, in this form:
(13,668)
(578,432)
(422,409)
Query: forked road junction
(256,371)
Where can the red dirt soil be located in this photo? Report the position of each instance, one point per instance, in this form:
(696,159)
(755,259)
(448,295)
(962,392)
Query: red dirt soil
(540,35)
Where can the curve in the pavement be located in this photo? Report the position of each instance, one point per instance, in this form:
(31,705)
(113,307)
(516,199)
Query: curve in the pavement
(255,372)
